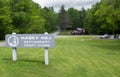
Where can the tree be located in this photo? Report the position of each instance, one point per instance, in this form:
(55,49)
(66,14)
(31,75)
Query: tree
(104,17)
(109,25)
(5,19)
(50,18)
(90,24)
(26,17)
(37,21)
(73,17)
(62,18)
(82,16)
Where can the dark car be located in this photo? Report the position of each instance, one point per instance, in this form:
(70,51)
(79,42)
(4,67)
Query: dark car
(78,31)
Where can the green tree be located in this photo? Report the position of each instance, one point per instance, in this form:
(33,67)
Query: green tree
(50,18)
(82,15)
(73,17)
(62,19)
(26,17)
(5,19)
(104,17)
(90,24)
(37,21)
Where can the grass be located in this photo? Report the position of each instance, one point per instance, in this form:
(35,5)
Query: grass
(67,32)
(1,40)
(71,57)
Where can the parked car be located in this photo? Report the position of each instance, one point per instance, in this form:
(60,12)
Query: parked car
(78,31)
(105,36)
(116,36)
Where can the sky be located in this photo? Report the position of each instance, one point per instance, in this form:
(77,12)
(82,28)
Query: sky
(77,4)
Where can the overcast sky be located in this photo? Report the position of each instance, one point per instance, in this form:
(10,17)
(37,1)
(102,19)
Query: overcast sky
(78,4)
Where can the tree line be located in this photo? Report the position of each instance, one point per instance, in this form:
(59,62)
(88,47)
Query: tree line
(26,16)
(103,17)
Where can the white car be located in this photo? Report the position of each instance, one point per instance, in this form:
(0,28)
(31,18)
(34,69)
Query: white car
(105,36)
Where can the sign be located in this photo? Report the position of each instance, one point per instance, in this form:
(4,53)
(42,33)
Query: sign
(30,40)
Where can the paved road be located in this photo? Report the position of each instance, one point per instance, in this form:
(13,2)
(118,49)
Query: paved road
(2,44)
(56,33)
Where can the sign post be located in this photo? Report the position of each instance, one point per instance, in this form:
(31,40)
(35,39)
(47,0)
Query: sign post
(46,53)
(30,41)
(46,56)
(14,53)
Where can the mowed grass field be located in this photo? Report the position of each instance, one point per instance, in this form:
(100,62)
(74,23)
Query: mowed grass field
(80,56)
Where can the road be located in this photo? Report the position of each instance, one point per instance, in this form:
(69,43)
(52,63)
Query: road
(2,44)
(56,33)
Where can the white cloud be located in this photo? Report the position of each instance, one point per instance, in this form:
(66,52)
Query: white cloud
(78,4)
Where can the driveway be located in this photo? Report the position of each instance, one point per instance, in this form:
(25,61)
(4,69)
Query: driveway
(56,33)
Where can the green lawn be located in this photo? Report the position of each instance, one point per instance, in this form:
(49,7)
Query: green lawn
(67,32)
(79,56)
(1,40)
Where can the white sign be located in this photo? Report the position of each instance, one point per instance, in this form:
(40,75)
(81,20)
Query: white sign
(30,40)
